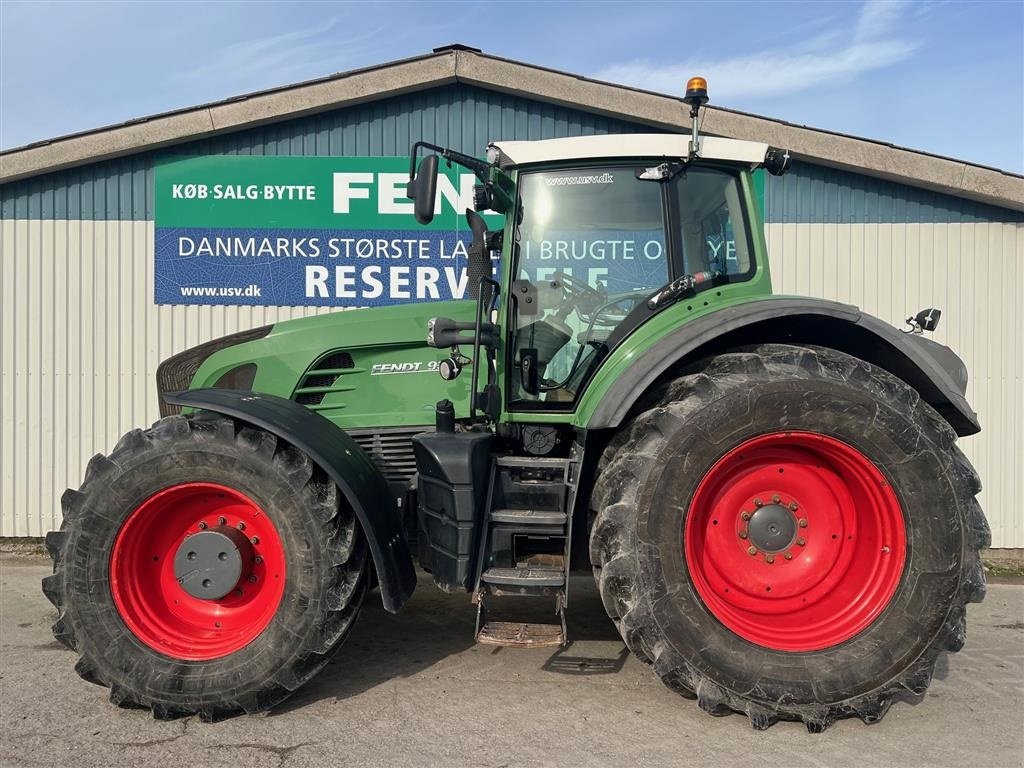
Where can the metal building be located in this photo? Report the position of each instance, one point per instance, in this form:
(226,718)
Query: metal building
(889,229)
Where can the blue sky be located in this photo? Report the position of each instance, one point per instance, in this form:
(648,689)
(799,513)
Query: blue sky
(944,77)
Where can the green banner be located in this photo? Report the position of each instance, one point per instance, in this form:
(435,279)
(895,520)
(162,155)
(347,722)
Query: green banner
(363,193)
(294,231)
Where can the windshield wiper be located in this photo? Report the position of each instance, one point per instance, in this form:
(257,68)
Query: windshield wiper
(679,288)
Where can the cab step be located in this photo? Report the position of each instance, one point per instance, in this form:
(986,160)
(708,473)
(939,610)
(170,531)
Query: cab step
(528,517)
(524,577)
(523,548)
(521,635)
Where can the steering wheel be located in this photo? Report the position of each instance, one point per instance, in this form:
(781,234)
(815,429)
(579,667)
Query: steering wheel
(579,295)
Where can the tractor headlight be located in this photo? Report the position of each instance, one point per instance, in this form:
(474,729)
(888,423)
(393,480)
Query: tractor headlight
(239,377)
(175,374)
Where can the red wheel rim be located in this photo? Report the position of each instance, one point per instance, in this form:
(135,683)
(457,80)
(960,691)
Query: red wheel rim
(146,592)
(838,570)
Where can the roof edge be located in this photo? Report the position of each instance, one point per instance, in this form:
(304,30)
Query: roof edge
(463,64)
(228,115)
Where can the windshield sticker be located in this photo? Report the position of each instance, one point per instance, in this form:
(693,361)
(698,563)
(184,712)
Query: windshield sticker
(572,181)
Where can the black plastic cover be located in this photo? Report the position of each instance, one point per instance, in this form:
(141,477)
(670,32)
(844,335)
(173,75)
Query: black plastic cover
(453,472)
(457,458)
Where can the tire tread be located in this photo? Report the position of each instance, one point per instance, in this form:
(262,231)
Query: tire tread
(341,541)
(627,457)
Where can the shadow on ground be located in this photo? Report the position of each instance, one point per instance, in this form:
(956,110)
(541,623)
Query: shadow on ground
(433,627)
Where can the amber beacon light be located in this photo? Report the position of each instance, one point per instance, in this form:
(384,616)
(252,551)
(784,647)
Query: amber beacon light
(696,92)
(696,96)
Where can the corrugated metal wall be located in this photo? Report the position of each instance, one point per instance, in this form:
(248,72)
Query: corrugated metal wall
(80,337)
(893,250)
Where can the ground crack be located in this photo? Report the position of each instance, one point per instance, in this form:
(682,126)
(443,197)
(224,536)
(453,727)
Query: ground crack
(1014,625)
(151,743)
(282,753)
(154,742)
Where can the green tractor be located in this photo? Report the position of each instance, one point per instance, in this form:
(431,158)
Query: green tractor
(777,515)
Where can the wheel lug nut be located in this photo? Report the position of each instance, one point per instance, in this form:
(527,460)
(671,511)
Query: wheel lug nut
(744,516)
(743,534)
(793,506)
(259,559)
(241,525)
(751,550)
(801,541)
(221,520)
(776,499)
(802,522)
(788,555)
(202,525)
(758,503)
(255,540)
(252,579)
(769,559)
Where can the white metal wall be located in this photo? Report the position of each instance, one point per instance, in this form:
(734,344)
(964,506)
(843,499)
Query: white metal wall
(974,272)
(80,338)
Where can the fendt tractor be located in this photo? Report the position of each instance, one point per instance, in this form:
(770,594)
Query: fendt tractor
(768,488)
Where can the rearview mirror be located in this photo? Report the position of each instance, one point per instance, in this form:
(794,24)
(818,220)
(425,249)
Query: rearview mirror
(422,189)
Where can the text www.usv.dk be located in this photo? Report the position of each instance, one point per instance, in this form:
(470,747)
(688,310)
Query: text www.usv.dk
(251,291)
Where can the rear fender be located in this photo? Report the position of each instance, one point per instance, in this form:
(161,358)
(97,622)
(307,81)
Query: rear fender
(933,370)
(345,463)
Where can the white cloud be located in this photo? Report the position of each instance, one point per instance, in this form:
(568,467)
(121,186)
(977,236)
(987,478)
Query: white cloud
(829,56)
(279,58)
(878,18)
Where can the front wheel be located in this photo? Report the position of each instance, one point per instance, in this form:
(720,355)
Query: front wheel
(204,567)
(790,533)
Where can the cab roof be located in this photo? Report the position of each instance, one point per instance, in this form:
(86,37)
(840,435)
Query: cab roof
(627,145)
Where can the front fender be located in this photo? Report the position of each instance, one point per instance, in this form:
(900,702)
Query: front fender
(345,463)
(934,371)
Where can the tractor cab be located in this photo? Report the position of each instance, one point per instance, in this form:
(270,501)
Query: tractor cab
(595,240)
(601,234)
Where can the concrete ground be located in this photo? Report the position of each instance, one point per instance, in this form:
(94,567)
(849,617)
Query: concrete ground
(414,690)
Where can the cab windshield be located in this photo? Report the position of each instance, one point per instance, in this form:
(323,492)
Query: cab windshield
(591,245)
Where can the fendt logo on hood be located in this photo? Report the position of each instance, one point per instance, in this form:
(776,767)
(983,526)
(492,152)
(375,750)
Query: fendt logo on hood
(385,369)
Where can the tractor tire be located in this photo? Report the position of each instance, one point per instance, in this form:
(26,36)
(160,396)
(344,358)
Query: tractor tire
(789,533)
(139,618)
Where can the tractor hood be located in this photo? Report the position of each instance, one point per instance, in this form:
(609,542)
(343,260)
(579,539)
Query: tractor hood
(358,368)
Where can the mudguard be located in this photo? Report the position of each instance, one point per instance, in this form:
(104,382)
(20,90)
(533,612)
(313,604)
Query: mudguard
(933,370)
(342,459)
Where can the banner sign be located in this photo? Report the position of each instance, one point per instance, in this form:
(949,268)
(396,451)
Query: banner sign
(314,231)
(339,231)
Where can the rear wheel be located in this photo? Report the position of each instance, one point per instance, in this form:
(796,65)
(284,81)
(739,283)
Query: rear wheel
(790,533)
(205,568)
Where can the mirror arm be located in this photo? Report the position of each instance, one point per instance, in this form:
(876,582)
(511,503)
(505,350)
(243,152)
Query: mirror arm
(478,167)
